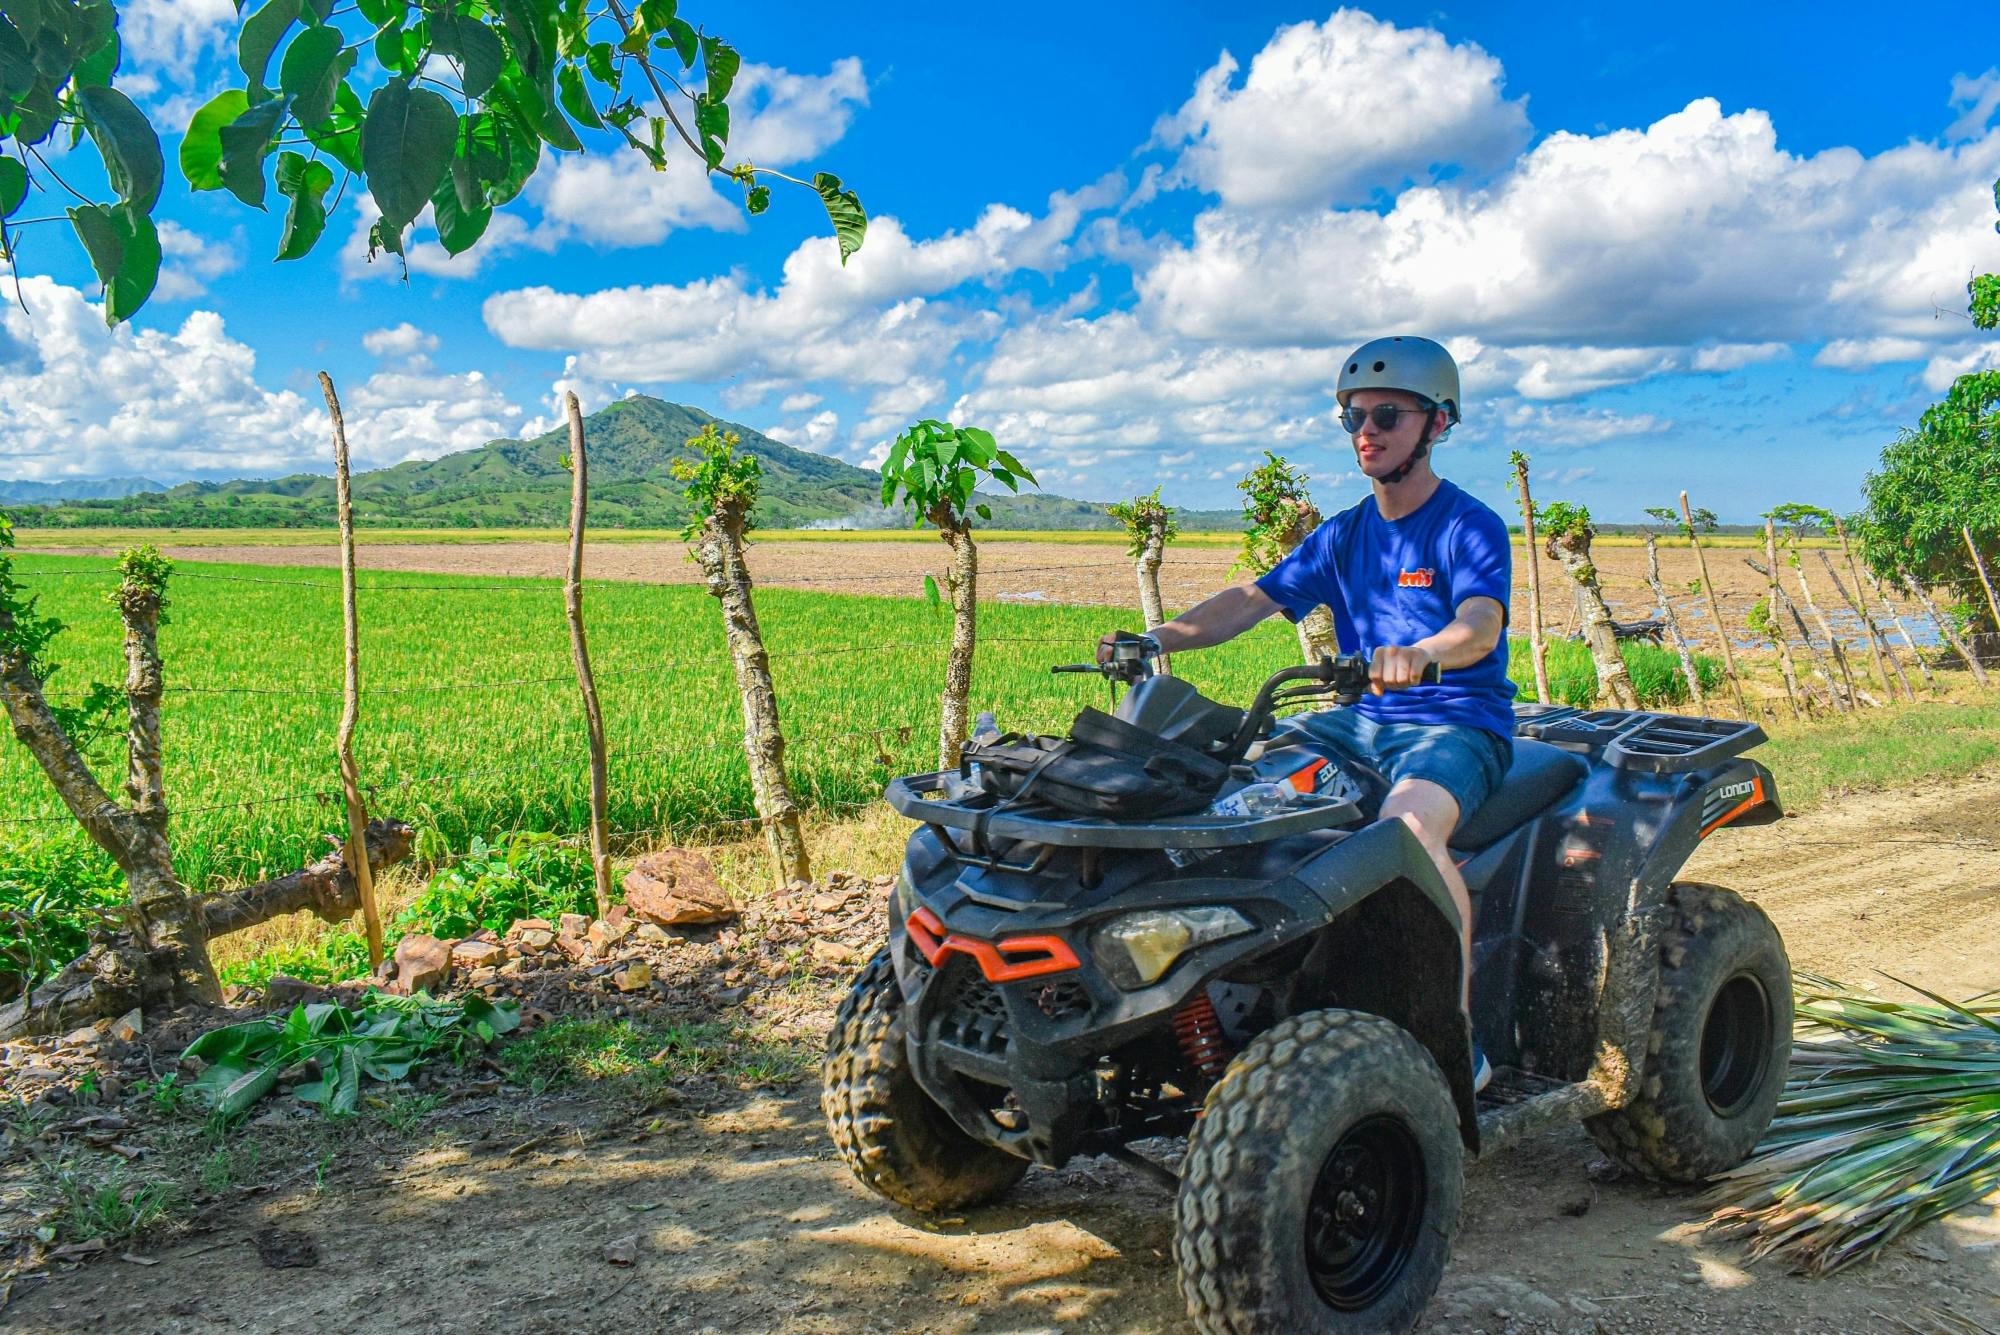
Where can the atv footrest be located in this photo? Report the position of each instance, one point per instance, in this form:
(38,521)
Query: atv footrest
(1511,1085)
(1517,1103)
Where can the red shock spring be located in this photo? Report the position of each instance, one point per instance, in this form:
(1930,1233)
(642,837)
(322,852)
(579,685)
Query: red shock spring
(1199,1030)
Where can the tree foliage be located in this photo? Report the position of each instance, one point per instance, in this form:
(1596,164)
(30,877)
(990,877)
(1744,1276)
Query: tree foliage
(1669,517)
(719,481)
(1275,500)
(1932,481)
(1560,519)
(934,468)
(446,105)
(1140,516)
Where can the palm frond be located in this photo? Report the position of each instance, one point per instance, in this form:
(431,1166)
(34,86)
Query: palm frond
(1890,1117)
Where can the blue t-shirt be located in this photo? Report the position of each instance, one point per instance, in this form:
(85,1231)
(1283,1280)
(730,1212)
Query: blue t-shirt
(1393,582)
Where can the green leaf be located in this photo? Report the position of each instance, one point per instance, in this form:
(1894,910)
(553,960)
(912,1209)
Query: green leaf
(575,100)
(711,122)
(843,209)
(534,116)
(262,32)
(379,12)
(599,60)
(306,184)
(125,138)
(311,73)
(684,40)
(759,199)
(406,148)
(233,1089)
(98,47)
(931,594)
(13,186)
(719,58)
(478,48)
(35,113)
(339,135)
(124,250)
(390,52)
(246,142)
(201,146)
(458,227)
(984,512)
(17,63)
(656,14)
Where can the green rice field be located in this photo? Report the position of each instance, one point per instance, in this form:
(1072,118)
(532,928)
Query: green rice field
(471,721)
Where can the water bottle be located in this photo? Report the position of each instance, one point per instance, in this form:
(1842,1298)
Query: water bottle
(984,729)
(1258,799)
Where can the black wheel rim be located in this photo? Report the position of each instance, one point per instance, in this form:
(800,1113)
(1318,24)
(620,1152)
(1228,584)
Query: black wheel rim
(1735,1045)
(1366,1213)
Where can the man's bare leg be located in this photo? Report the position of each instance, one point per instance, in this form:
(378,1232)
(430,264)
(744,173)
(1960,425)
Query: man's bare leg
(1432,814)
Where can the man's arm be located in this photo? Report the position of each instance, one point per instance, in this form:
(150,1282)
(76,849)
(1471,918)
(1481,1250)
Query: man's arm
(1469,637)
(1214,620)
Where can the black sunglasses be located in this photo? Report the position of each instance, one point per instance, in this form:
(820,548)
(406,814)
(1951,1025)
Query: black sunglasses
(1385,416)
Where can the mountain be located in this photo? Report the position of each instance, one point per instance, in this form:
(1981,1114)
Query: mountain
(77,489)
(522,483)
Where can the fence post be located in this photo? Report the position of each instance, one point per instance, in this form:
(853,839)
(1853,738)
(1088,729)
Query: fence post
(1776,605)
(1693,678)
(1538,648)
(1868,613)
(355,851)
(1876,644)
(1896,620)
(1715,611)
(1833,644)
(1979,564)
(1944,627)
(579,502)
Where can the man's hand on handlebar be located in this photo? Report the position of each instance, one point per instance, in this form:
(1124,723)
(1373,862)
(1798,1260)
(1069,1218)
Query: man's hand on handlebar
(1399,667)
(1108,643)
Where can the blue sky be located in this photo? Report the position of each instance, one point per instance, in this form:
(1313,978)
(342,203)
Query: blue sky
(1721,248)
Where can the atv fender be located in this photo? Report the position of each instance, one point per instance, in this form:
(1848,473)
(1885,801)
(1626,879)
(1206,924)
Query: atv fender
(1392,949)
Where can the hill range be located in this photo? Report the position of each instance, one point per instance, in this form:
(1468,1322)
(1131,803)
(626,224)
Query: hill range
(523,483)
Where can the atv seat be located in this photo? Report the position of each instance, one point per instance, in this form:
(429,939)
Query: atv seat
(1540,776)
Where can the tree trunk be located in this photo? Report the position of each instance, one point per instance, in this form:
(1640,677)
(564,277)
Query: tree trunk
(1714,610)
(1613,681)
(1896,620)
(1979,564)
(1688,672)
(579,503)
(962,582)
(1833,644)
(1776,602)
(1868,612)
(350,713)
(1152,553)
(719,551)
(327,888)
(1317,638)
(1877,648)
(1538,648)
(1945,628)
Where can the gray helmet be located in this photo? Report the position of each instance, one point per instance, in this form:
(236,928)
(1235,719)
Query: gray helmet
(1414,365)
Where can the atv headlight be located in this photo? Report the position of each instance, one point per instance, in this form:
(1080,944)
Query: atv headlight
(1137,948)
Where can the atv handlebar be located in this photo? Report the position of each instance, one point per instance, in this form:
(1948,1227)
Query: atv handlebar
(1345,677)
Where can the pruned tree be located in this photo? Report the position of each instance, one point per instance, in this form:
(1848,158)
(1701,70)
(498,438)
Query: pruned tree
(1538,649)
(1278,515)
(462,102)
(1666,517)
(1150,524)
(1695,521)
(934,469)
(1794,518)
(160,954)
(1568,533)
(722,502)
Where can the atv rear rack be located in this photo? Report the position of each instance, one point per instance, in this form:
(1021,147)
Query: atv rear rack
(981,815)
(1647,743)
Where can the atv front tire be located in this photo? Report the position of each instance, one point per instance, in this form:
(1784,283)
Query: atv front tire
(1322,1185)
(893,1136)
(1720,1043)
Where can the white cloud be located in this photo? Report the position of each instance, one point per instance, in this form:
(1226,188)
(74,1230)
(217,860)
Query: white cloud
(1941,370)
(170,37)
(1332,112)
(1856,354)
(1975,99)
(1565,424)
(188,262)
(895,408)
(798,403)
(424,255)
(819,433)
(779,118)
(420,413)
(404,341)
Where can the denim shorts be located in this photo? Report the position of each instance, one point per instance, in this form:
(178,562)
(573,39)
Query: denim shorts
(1466,762)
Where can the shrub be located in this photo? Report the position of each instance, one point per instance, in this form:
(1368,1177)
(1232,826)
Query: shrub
(1656,673)
(54,890)
(519,875)
(338,954)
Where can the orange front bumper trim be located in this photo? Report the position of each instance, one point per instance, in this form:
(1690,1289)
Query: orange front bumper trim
(1007,960)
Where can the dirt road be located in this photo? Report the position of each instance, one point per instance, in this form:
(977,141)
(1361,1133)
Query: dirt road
(745,1221)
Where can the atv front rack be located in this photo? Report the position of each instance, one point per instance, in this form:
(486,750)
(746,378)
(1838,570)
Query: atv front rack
(1647,743)
(979,816)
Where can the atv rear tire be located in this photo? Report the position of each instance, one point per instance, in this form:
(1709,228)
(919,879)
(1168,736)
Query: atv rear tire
(1719,1047)
(893,1136)
(1322,1184)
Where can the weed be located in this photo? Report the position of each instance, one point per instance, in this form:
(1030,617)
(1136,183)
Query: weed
(166,1094)
(98,1199)
(648,1059)
(404,1113)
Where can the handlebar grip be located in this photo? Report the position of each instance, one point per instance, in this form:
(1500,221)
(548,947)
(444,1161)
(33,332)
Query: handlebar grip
(1432,675)
(1076,667)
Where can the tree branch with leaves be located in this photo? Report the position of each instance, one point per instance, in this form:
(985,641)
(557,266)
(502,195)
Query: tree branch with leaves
(1150,525)
(934,470)
(1567,532)
(1278,515)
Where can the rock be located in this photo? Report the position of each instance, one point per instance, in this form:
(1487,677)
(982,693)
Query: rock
(634,976)
(622,1251)
(605,934)
(731,996)
(423,963)
(536,939)
(128,1026)
(473,953)
(654,934)
(832,903)
(575,947)
(836,952)
(673,887)
(522,926)
(39,1073)
(572,924)
(86,1037)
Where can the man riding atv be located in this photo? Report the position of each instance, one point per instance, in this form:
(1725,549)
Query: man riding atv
(1417,574)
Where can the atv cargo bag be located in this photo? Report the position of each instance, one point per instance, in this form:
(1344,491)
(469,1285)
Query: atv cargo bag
(1106,767)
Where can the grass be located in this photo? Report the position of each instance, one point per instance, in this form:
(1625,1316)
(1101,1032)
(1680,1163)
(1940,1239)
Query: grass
(646,1059)
(1881,748)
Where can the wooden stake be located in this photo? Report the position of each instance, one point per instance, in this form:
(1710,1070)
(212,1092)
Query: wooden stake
(1715,611)
(579,501)
(1688,672)
(1877,646)
(1979,564)
(1777,601)
(1868,612)
(1825,627)
(1537,647)
(1944,627)
(350,777)
(1896,620)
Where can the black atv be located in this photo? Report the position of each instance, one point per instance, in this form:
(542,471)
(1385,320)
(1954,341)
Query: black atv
(1281,987)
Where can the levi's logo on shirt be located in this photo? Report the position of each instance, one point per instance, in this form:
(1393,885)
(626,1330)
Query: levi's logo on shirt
(1414,579)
